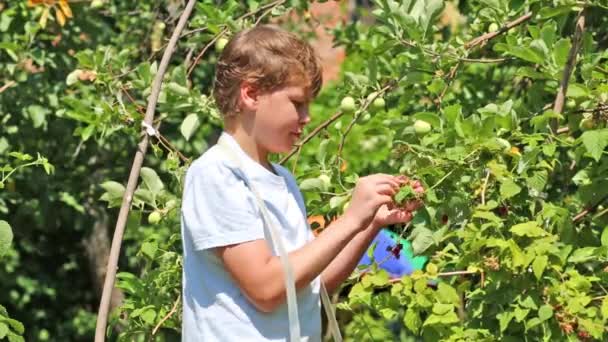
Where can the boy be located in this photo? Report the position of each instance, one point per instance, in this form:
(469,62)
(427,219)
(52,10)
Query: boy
(233,285)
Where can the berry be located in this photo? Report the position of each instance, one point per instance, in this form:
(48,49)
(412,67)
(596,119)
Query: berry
(493,27)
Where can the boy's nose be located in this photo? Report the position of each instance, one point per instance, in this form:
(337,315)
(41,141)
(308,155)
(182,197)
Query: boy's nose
(304,117)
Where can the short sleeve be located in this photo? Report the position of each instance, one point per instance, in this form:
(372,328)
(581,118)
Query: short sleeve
(218,209)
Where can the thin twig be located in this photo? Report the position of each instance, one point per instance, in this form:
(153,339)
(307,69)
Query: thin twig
(490,35)
(358,114)
(476,42)
(484,187)
(587,210)
(198,57)
(104,306)
(173,309)
(7,85)
(558,106)
(267,8)
(311,135)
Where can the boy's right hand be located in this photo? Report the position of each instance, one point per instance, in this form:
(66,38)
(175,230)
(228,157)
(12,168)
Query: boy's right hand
(370,193)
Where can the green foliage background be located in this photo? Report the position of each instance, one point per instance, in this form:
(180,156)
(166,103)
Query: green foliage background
(504,190)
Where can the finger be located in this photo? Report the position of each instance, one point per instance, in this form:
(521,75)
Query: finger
(412,205)
(419,189)
(386,189)
(416,184)
(390,182)
(399,216)
(383,199)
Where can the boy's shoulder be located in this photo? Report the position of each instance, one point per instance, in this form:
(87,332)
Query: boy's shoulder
(211,163)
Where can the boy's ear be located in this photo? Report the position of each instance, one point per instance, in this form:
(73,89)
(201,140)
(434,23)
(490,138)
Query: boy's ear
(249,97)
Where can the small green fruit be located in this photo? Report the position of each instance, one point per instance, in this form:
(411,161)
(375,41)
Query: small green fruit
(571,104)
(154,217)
(170,204)
(432,269)
(97,3)
(586,124)
(493,27)
(378,103)
(422,127)
(220,44)
(365,118)
(348,104)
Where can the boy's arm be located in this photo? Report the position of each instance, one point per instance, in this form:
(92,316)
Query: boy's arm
(260,274)
(343,265)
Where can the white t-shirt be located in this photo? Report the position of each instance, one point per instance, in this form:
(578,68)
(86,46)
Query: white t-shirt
(218,209)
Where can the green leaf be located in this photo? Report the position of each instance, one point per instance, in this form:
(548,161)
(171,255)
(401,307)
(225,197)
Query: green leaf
(149,249)
(605,308)
(447,294)
(37,114)
(583,254)
(189,126)
(604,238)
(412,320)
(509,188)
(151,180)
(422,239)
(3,330)
(527,54)
(595,142)
(561,50)
(113,194)
(545,312)
(148,316)
(338,201)
(442,309)
(6,237)
(530,229)
(68,199)
(539,265)
(504,318)
(312,184)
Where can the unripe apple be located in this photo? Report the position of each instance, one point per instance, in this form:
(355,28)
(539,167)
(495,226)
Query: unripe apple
(348,104)
(154,217)
(586,124)
(571,104)
(97,3)
(378,103)
(220,44)
(422,127)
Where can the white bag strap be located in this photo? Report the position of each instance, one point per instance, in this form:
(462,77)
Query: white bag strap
(277,240)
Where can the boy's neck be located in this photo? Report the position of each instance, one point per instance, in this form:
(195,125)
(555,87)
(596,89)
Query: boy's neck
(251,148)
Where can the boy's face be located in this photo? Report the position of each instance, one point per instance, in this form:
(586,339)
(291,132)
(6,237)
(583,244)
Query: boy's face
(279,118)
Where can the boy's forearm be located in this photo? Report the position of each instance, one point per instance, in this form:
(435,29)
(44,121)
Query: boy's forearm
(310,260)
(346,261)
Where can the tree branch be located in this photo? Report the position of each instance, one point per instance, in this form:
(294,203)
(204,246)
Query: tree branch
(311,135)
(102,315)
(358,114)
(490,35)
(558,106)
